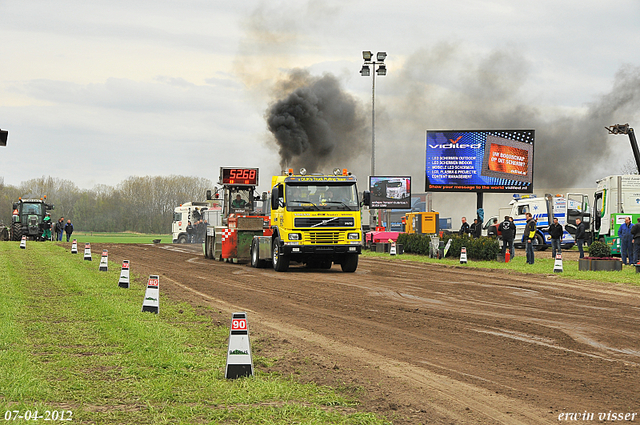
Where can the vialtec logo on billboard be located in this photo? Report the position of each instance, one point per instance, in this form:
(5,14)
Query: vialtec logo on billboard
(454,145)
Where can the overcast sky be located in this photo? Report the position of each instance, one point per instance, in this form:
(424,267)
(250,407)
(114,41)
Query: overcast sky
(95,92)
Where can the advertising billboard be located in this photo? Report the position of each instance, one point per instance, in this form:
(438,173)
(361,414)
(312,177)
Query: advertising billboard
(390,192)
(480,161)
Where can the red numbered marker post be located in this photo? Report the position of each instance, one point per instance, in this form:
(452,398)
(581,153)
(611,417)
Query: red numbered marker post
(239,361)
(87,251)
(152,295)
(74,246)
(104,261)
(124,275)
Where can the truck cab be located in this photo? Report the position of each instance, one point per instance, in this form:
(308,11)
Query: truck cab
(315,220)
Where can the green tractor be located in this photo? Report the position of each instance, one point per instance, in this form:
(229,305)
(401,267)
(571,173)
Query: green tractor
(28,218)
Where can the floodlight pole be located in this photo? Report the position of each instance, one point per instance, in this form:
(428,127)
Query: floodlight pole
(378,66)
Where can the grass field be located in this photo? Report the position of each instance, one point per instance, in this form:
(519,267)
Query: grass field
(542,266)
(72,341)
(98,237)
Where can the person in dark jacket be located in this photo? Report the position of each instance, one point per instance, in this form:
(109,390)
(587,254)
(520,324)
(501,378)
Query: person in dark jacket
(555,231)
(635,232)
(580,235)
(476,229)
(464,229)
(626,246)
(508,230)
(59,229)
(530,235)
(191,232)
(68,229)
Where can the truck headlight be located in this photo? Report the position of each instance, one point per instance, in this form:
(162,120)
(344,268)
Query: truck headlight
(294,236)
(355,236)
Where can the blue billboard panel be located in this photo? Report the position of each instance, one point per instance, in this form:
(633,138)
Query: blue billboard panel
(480,161)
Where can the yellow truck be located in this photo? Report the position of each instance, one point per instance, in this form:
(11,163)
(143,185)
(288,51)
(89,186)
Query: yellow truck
(315,221)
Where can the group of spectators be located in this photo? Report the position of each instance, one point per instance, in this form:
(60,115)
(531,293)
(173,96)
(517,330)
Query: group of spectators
(54,231)
(197,230)
(629,241)
(507,231)
(474,230)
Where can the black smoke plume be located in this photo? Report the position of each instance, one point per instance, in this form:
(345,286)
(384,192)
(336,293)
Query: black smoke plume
(316,124)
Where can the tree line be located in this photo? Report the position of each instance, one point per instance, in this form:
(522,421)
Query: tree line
(137,204)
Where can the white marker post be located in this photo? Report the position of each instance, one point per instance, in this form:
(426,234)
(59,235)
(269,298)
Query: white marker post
(463,255)
(124,275)
(239,362)
(557,266)
(392,249)
(23,243)
(104,261)
(74,246)
(87,251)
(151,300)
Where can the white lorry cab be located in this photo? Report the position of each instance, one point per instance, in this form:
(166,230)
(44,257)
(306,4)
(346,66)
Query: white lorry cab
(566,208)
(616,198)
(190,212)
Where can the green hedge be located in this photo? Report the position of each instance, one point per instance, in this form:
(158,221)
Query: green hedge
(483,248)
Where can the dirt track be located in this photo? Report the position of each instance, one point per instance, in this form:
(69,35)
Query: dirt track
(427,343)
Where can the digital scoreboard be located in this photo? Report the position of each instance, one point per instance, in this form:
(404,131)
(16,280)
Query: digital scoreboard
(239,176)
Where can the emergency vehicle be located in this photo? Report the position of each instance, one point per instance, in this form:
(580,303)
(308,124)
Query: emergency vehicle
(566,208)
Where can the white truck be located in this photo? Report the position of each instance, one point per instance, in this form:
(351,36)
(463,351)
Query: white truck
(616,198)
(184,214)
(566,208)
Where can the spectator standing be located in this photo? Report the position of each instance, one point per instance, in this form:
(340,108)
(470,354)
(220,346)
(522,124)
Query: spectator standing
(508,230)
(493,229)
(635,232)
(580,235)
(191,231)
(59,229)
(626,246)
(473,229)
(464,229)
(530,234)
(68,229)
(556,231)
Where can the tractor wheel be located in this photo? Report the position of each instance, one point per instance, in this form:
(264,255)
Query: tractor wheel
(280,261)
(349,263)
(182,239)
(256,262)
(16,232)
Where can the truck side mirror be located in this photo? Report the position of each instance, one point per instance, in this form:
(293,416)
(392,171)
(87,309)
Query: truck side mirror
(208,192)
(366,198)
(274,198)
(49,206)
(265,196)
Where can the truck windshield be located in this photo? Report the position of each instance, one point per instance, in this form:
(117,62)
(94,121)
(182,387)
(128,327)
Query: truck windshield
(321,197)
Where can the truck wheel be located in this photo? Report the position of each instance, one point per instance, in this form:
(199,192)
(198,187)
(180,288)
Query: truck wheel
(16,232)
(182,239)
(349,263)
(280,261)
(538,243)
(256,262)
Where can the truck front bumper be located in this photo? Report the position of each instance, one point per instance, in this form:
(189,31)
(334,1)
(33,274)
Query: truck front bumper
(321,249)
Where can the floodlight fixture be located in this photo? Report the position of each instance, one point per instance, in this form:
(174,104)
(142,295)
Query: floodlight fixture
(382,70)
(365,72)
(367,55)
(381,56)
